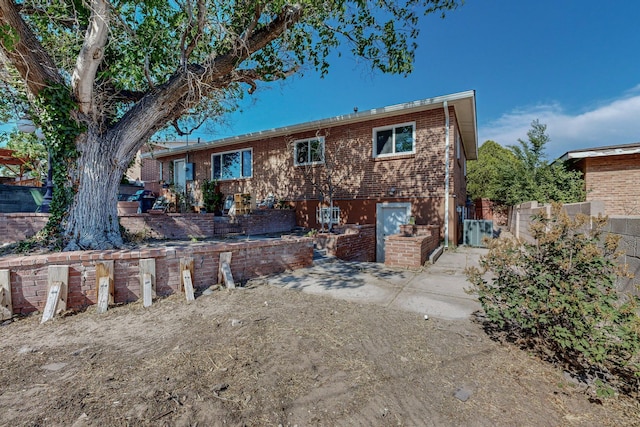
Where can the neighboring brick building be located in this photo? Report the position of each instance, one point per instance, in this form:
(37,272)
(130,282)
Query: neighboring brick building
(611,175)
(385,164)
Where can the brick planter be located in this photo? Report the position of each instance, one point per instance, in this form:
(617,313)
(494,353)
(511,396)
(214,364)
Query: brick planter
(352,243)
(28,274)
(412,247)
(19,226)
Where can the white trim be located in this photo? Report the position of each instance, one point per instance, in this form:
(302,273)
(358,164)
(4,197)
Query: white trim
(320,139)
(600,152)
(447,142)
(220,153)
(393,127)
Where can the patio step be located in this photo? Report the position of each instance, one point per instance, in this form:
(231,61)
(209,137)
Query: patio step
(320,256)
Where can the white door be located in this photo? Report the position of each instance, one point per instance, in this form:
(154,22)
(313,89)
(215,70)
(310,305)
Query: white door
(179,180)
(389,218)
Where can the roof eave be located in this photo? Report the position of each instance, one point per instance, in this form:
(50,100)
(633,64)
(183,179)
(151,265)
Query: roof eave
(463,102)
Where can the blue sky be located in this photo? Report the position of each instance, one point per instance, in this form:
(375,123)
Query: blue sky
(574,65)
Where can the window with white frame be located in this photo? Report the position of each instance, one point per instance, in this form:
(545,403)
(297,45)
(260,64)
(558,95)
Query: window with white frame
(308,151)
(396,139)
(232,165)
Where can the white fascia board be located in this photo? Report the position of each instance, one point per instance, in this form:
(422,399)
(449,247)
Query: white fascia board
(594,153)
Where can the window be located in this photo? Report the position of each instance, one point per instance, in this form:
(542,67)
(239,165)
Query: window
(396,139)
(232,165)
(309,151)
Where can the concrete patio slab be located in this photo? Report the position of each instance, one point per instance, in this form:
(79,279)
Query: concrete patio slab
(437,290)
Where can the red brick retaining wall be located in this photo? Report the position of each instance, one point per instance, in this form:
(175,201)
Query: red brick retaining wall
(411,248)
(250,259)
(178,226)
(355,243)
(19,226)
(265,221)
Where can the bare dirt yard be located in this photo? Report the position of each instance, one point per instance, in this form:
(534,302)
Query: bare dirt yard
(265,356)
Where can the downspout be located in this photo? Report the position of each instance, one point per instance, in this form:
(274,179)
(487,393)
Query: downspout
(446,175)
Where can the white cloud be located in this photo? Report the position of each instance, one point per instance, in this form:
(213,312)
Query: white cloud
(612,123)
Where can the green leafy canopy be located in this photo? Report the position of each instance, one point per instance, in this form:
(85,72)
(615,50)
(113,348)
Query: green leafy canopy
(520,173)
(150,40)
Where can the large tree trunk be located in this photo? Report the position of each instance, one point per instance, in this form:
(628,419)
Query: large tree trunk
(92,220)
(106,149)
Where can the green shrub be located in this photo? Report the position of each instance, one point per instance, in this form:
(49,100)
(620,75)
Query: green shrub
(212,198)
(558,296)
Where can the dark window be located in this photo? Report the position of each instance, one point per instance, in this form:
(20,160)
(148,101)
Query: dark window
(309,151)
(384,142)
(232,165)
(394,139)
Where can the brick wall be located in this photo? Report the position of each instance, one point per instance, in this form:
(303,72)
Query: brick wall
(411,250)
(250,259)
(353,243)
(178,226)
(19,226)
(16,227)
(361,181)
(487,209)
(614,180)
(268,221)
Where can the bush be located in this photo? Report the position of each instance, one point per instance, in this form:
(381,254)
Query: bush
(558,296)
(212,198)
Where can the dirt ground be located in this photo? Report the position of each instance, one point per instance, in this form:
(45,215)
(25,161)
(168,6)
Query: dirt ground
(265,356)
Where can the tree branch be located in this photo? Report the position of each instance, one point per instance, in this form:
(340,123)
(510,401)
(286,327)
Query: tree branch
(201,21)
(254,23)
(90,56)
(180,132)
(67,22)
(187,86)
(27,55)
(251,76)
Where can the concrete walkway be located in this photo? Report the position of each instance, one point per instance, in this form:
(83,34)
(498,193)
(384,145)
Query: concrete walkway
(437,290)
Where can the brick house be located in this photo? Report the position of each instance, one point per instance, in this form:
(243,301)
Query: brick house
(380,166)
(611,175)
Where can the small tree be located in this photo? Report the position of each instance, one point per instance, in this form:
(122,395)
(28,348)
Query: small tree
(558,296)
(485,176)
(325,171)
(521,173)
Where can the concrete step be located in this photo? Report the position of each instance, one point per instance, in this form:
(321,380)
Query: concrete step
(320,256)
